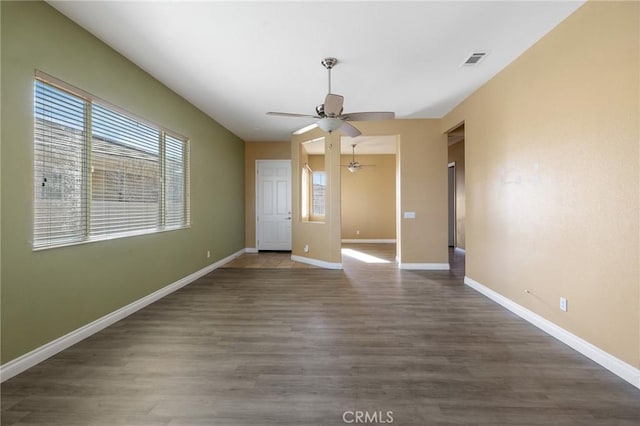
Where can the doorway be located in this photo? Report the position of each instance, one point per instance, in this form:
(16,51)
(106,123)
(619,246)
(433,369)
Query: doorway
(368,193)
(273,205)
(456,189)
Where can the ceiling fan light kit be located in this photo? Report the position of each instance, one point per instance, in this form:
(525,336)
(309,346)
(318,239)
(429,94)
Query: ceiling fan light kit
(353,165)
(329,114)
(329,124)
(353,168)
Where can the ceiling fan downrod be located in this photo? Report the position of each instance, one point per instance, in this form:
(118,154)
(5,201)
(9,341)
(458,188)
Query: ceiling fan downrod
(329,63)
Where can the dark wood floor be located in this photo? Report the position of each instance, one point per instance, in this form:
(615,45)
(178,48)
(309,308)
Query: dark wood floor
(300,346)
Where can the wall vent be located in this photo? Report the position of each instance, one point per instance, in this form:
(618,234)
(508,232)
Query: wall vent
(475,58)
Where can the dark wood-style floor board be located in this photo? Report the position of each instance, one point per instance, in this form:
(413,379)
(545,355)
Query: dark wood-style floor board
(265,341)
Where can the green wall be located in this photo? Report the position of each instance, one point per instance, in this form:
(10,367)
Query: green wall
(49,293)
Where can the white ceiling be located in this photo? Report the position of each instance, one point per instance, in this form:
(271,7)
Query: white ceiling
(237,60)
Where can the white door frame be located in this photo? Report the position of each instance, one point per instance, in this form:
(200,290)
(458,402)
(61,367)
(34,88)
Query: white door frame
(257,194)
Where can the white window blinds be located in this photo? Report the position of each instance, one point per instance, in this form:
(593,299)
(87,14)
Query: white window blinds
(128,177)
(60,167)
(125,174)
(176,182)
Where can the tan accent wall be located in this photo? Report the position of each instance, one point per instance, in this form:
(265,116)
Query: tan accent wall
(258,151)
(369,198)
(323,238)
(552,177)
(316,162)
(422,188)
(456,154)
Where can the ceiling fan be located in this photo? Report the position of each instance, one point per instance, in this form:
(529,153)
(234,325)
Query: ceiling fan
(354,165)
(329,114)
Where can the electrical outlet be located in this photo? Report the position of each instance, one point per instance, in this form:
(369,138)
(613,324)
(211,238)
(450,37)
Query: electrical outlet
(563,304)
(306,248)
(357,232)
(208,254)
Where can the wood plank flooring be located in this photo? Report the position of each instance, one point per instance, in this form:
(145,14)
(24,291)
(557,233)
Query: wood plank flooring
(300,346)
(266,260)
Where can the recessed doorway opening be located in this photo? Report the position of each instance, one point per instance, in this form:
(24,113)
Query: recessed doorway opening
(456,190)
(368,176)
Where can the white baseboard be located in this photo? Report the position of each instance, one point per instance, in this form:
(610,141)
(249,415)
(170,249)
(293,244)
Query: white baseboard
(368,241)
(36,356)
(251,250)
(316,262)
(425,266)
(608,361)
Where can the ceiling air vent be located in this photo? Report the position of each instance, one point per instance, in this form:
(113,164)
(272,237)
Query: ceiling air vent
(474,59)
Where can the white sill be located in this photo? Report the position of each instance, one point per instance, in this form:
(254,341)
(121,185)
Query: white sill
(113,237)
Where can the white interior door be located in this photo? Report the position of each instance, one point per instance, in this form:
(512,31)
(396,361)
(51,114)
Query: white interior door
(273,204)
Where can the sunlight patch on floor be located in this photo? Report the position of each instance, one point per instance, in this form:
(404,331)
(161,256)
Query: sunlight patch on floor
(362,257)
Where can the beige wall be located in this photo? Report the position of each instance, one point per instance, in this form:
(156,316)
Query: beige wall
(258,151)
(369,198)
(456,154)
(323,238)
(421,178)
(552,175)
(316,162)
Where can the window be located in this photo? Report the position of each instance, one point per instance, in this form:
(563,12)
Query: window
(125,174)
(100,172)
(313,183)
(318,190)
(312,194)
(304,198)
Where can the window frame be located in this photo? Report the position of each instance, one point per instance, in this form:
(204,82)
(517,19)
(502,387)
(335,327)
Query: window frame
(305,193)
(87,175)
(318,217)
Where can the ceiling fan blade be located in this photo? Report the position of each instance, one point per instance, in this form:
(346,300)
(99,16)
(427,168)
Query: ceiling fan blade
(368,116)
(333,105)
(288,114)
(349,130)
(305,129)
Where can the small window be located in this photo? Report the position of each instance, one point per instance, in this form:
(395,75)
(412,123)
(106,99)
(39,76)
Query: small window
(101,172)
(313,180)
(319,188)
